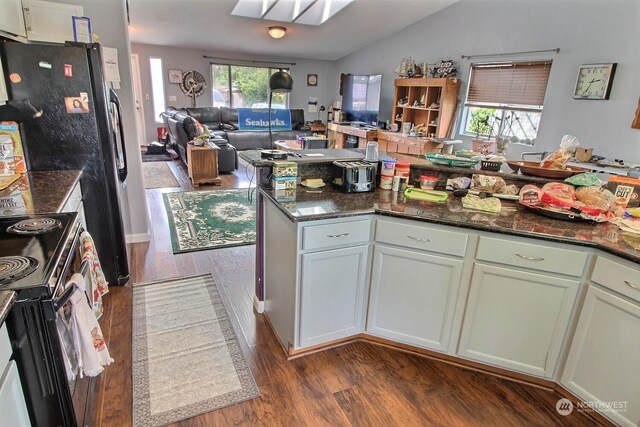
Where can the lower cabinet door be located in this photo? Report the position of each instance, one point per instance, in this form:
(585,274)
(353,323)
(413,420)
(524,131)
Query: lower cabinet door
(603,366)
(332,295)
(413,296)
(12,404)
(515,319)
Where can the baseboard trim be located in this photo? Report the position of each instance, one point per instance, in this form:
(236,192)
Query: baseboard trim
(138,237)
(258,305)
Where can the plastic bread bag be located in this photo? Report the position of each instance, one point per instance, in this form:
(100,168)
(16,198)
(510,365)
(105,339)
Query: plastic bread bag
(559,158)
(492,184)
(588,179)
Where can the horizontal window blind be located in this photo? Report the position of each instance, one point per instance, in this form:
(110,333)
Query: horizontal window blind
(510,83)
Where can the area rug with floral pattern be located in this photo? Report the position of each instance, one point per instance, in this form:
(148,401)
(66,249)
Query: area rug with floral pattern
(200,220)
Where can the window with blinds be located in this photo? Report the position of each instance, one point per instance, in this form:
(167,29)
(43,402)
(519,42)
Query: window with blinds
(518,84)
(504,101)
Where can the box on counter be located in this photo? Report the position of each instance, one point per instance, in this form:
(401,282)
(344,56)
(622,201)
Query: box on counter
(626,190)
(288,195)
(284,182)
(284,169)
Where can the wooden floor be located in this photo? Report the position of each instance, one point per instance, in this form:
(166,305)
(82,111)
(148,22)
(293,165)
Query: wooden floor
(359,384)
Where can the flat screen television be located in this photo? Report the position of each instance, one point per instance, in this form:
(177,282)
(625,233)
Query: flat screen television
(361,98)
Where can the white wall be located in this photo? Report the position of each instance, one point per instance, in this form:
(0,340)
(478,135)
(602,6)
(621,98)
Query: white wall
(192,59)
(586,31)
(109,23)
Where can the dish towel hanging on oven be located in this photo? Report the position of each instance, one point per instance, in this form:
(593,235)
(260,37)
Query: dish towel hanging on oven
(90,347)
(98,285)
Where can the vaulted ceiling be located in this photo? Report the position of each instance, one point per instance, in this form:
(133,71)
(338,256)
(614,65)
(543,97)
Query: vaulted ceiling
(209,26)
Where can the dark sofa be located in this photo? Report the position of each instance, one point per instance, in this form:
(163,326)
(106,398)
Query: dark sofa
(223,123)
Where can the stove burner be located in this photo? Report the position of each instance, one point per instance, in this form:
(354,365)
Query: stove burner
(33,226)
(16,267)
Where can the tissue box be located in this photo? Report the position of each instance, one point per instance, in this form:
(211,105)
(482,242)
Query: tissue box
(284,182)
(285,169)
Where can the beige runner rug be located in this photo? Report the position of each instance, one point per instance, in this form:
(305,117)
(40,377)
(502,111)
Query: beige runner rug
(158,175)
(186,357)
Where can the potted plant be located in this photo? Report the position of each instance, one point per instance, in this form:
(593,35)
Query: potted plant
(482,123)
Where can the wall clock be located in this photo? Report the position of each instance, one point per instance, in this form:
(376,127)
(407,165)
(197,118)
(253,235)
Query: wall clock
(312,80)
(594,81)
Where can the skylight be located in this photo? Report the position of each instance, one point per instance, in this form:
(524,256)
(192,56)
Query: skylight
(308,12)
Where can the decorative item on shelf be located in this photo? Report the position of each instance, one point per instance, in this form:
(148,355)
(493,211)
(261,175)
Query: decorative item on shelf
(193,84)
(444,68)
(407,68)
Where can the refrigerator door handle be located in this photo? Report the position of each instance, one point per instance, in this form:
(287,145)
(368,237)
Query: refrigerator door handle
(122,169)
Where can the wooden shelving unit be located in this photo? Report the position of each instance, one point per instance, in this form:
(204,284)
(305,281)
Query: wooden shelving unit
(427,92)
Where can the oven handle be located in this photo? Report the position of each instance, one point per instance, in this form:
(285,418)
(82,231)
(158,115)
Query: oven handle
(57,303)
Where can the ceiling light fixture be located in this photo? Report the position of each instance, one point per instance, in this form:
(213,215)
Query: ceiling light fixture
(277,32)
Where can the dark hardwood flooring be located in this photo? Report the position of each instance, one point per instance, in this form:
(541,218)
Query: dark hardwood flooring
(359,384)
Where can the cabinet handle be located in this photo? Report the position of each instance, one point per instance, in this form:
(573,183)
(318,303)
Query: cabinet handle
(530,258)
(338,235)
(626,282)
(418,239)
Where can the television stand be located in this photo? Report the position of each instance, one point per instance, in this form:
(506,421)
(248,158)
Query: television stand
(338,135)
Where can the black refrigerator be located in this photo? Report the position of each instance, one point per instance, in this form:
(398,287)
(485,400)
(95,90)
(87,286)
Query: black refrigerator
(70,119)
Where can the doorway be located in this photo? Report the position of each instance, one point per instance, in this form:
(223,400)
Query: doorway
(137,93)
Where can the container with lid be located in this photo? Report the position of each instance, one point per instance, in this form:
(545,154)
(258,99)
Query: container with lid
(386,181)
(403,169)
(371,154)
(428,182)
(388,166)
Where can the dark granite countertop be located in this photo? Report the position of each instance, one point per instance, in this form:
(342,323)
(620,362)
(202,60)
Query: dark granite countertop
(325,203)
(39,192)
(7,298)
(254,158)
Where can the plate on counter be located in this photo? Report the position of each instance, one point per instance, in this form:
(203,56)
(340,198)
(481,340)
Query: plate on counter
(534,169)
(449,160)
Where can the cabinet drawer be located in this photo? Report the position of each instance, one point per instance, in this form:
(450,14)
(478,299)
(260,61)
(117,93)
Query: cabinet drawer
(617,277)
(74,200)
(5,348)
(537,256)
(336,234)
(421,237)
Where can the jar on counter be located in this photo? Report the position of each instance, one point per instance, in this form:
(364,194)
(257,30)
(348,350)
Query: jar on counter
(386,182)
(428,182)
(388,166)
(403,169)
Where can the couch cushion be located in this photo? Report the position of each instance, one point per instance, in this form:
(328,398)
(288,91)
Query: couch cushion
(209,116)
(229,116)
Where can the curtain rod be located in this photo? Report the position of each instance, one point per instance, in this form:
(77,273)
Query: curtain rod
(556,50)
(253,61)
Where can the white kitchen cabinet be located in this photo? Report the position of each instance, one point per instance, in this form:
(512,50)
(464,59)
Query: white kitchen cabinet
(315,277)
(516,319)
(48,21)
(413,296)
(12,405)
(12,20)
(603,365)
(332,294)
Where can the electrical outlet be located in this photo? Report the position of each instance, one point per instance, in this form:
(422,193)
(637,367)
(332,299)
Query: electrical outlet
(173,98)
(147,97)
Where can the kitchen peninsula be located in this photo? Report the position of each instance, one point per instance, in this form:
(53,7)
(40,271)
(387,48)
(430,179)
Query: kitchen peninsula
(515,294)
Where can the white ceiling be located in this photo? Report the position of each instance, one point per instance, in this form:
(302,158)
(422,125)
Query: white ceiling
(209,26)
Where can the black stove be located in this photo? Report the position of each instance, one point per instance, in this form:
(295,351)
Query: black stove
(30,252)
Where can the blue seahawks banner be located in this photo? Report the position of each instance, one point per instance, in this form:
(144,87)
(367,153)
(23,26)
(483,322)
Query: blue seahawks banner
(258,119)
